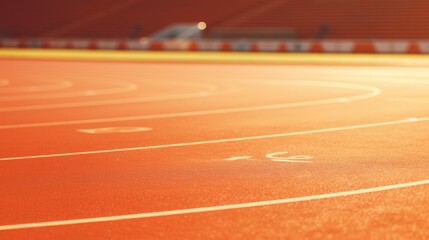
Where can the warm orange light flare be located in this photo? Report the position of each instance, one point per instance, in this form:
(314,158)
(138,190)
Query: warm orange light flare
(202,25)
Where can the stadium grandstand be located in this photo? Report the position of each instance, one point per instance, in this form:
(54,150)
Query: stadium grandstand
(304,19)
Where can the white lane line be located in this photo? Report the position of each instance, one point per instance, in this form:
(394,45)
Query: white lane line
(238,158)
(55,85)
(123,87)
(371,92)
(235,206)
(115,130)
(201,93)
(323,130)
(410,100)
(114,101)
(213,208)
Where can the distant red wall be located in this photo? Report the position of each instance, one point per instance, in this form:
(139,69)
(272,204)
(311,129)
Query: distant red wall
(352,19)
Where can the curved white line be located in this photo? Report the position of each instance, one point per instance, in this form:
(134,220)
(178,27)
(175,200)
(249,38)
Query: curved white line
(323,130)
(124,87)
(274,155)
(39,88)
(229,206)
(372,92)
(201,93)
(212,208)
(221,207)
(107,102)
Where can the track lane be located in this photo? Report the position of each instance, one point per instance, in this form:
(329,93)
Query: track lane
(271,179)
(178,129)
(164,179)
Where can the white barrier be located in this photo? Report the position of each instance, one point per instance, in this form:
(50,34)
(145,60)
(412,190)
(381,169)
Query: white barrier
(323,46)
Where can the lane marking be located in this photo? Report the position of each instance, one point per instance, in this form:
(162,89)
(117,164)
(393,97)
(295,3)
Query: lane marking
(323,130)
(115,130)
(372,92)
(213,208)
(39,88)
(198,94)
(123,87)
(276,157)
(292,159)
(240,205)
(223,207)
(238,158)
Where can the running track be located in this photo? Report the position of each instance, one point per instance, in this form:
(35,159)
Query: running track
(179,150)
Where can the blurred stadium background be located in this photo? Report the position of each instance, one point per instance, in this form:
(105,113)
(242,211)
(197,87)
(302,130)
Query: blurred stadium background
(366,26)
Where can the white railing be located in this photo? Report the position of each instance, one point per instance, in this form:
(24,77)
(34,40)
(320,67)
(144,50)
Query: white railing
(322,46)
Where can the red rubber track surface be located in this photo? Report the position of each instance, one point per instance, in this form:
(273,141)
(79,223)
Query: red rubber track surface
(107,150)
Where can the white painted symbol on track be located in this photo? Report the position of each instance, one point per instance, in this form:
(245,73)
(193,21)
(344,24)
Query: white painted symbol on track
(216,141)
(295,159)
(277,157)
(115,130)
